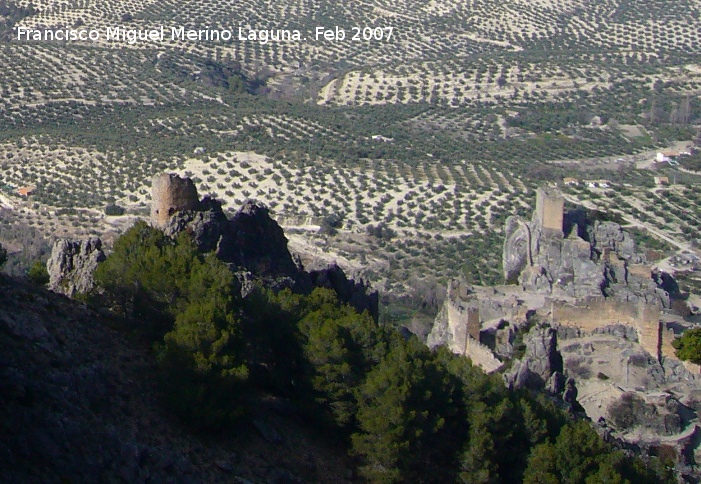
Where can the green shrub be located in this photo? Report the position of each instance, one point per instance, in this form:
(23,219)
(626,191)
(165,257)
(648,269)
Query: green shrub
(688,347)
(113,209)
(38,274)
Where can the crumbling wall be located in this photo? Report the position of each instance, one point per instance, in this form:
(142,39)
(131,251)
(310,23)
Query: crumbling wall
(482,356)
(464,323)
(594,313)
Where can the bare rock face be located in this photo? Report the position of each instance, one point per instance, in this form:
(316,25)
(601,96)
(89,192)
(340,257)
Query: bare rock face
(171,194)
(540,362)
(207,224)
(516,247)
(72,264)
(256,241)
(610,236)
(357,294)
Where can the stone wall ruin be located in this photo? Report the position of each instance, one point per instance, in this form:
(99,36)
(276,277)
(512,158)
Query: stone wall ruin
(171,194)
(568,270)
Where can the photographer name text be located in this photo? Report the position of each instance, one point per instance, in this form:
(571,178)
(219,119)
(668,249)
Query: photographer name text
(183,34)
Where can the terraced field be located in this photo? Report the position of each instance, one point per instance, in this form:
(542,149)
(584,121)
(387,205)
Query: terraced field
(399,158)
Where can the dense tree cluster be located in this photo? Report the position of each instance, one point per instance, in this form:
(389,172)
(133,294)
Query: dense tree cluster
(408,414)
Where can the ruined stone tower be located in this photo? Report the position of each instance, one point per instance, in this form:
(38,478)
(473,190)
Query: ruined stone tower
(170,194)
(549,209)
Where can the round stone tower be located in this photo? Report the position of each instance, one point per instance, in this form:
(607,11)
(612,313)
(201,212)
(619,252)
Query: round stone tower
(170,194)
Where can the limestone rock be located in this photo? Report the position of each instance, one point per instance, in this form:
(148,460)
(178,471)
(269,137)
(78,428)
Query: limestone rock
(72,263)
(610,236)
(255,241)
(357,294)
(516,247)
(441,333)
(207,224)
(556,383)
(570,394)
(540,361)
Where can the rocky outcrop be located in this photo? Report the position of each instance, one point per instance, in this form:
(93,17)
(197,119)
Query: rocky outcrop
(516,253)
(441,331)
(253,244)
(579,258)
(206,224)
(357,294)
(250,241)
(609,236)
(541,367)
(256,241)
(539,362)
(72,263)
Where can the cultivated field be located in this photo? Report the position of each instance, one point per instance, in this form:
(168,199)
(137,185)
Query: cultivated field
(398,158)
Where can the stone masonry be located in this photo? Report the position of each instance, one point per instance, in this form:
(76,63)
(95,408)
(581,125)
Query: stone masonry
(171,194)
(549,209)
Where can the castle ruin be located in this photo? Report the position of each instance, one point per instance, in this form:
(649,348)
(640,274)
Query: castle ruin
(564,270)
(171,194)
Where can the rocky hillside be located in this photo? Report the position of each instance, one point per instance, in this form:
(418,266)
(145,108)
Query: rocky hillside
(80,403)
